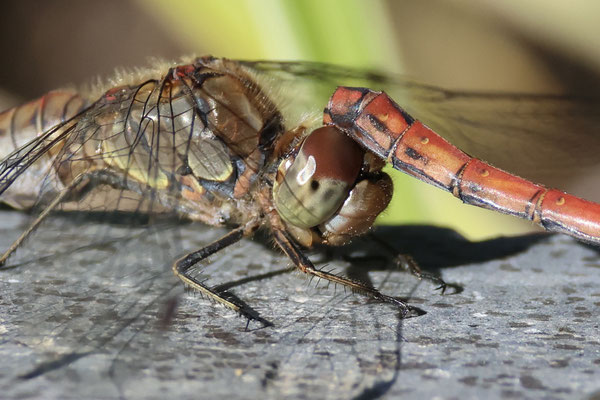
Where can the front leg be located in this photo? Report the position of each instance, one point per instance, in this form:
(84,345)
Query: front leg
(305,265)
(76,190)
(182,267)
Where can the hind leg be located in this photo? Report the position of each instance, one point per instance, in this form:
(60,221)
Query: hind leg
(78,188)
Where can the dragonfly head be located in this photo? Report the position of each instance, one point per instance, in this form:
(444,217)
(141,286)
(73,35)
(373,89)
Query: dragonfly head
(328,189)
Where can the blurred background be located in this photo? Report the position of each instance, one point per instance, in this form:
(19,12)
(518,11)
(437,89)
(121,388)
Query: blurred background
(538,46)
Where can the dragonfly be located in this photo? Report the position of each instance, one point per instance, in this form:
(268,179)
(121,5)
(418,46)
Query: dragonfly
(207,140)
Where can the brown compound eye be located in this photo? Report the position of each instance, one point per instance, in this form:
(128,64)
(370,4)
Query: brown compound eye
(367,199)
(317,182)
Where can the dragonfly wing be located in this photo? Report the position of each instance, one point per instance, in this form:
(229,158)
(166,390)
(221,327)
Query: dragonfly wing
(302,89)
(548,139)
(544,138)
(18,177)
(36,172)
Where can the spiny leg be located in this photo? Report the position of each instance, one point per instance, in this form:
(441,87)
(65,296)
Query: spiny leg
(407,263)
(305,265)
(183,265)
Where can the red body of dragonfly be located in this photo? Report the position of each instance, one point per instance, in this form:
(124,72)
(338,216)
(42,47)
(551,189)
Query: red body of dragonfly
(381,126)
(206,140)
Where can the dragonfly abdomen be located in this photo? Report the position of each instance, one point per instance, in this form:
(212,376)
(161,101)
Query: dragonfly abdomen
(22,124)
(384,128)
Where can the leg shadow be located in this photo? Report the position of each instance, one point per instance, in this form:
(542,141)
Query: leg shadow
(431,247)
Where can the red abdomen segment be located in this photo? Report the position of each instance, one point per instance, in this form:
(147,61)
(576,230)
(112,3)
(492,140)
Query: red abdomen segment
(381,126)
(21,124)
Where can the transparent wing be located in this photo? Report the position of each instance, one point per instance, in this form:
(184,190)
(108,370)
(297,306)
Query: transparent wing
(548,139)
(18,162)
(92,141)
(162,143)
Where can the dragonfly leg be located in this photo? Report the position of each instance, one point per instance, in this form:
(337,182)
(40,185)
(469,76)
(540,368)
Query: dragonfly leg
(57,200)
(75,190)
(33,226)
(182,267)
(408,263)
(305,265)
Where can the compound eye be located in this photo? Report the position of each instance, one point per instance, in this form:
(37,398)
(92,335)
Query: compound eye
(315,185)
(367,199)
